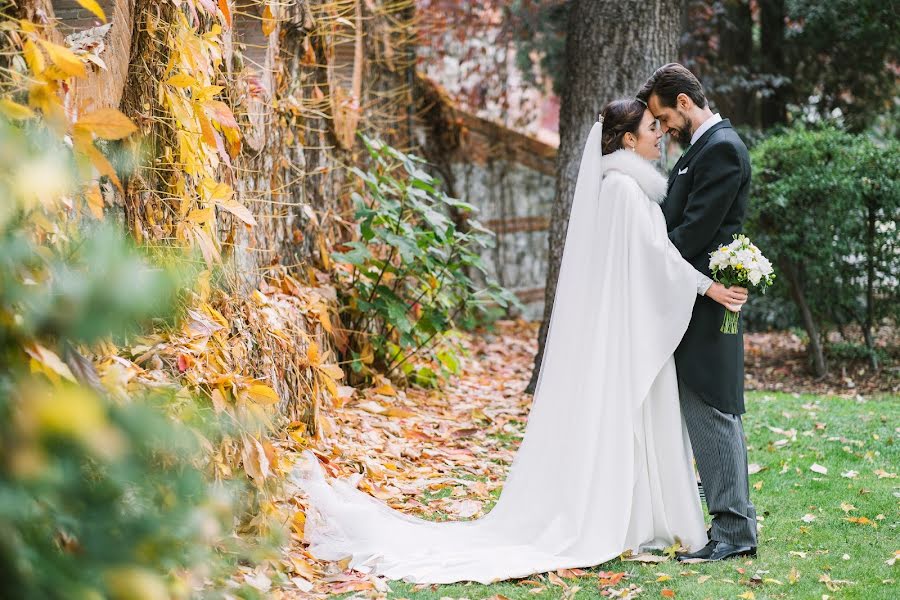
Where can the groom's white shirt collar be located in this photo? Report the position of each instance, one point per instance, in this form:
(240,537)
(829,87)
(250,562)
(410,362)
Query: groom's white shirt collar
(716,118)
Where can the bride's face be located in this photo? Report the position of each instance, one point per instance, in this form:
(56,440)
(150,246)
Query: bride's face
(646,140)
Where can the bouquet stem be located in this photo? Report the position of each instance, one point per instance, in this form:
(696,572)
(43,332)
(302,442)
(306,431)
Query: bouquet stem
(730,322)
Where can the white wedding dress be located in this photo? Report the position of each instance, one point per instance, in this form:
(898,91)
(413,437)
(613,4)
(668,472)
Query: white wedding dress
(605,464)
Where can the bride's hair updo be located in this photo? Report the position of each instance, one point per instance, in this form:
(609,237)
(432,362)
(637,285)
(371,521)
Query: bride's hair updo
(620,117)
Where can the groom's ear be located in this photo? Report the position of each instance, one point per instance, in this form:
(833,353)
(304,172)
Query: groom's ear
(684,102)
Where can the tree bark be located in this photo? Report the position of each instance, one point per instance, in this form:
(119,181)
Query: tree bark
(871,252)
(771,37)
(735,29)
(815,350)
(612,46)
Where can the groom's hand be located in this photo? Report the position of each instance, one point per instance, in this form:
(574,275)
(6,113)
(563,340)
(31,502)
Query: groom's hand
(732,298)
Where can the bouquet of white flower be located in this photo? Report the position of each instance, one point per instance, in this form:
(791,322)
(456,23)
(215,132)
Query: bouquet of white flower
(740,263)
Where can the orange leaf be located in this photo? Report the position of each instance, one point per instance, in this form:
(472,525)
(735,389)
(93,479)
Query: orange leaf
(206,128)
(92,6)
(667,593)
(220,113)
(226,12)
(107,124)
(268,20)
(312,354)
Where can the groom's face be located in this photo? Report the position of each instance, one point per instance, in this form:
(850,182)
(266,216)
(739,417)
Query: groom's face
(673,120)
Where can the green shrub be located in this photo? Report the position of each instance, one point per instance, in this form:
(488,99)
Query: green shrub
(99,497)
(405,281)
(825,209)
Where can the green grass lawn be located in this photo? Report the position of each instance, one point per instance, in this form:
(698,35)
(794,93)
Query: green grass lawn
(823,535)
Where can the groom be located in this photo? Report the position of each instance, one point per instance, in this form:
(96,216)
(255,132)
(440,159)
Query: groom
(705,205)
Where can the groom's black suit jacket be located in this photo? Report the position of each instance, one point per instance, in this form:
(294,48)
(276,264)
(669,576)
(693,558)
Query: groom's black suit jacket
(705,205)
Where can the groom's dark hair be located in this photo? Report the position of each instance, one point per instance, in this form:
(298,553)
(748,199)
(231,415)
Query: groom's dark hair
(670,80)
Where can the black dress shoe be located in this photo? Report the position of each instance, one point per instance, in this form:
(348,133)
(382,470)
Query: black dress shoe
(701,554)
(718,551)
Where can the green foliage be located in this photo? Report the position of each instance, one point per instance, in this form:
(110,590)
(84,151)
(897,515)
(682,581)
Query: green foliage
(824,60)
(826,206)
(407,280)
(840,52)
(99,497)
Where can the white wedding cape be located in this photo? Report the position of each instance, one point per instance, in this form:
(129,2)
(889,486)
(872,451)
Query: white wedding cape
(605,464)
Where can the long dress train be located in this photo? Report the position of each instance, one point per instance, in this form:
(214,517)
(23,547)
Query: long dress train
(605,464)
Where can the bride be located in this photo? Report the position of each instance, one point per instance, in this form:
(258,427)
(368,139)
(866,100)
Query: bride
(605,465)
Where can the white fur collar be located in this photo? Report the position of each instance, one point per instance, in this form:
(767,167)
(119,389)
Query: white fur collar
(639,169)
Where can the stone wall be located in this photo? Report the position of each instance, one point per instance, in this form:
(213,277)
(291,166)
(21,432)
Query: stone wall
(511,178)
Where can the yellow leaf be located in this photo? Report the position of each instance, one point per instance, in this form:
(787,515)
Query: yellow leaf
(48,359)
(92,6)
(262,394)
(333,371)
(181,80)
(103,166)
(256,463)
(33,57)
(66,60)
(747,596)
(330,385)
(107,124)
(135,583)
(298,522)
(207,93)
(238,210)
(14,110)
(201,215)
(94,200)
(268,20)
(385,389)
(207,246)
(399,413)
(301,567)
(324,319)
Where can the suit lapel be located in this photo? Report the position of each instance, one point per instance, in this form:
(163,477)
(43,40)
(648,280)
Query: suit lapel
(692,151)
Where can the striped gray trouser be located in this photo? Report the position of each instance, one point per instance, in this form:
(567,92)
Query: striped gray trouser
(717,439)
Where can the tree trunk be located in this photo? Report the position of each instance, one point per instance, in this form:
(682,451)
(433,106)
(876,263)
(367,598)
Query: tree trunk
(735,29)
(771,37)
(815,350)
(871,251)
(611,48)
